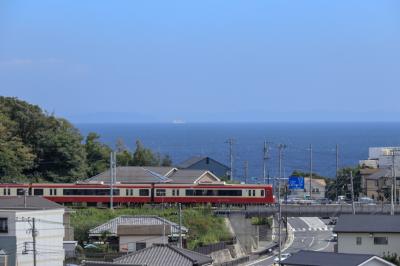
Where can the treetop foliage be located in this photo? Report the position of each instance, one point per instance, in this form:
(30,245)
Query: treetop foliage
(37,146)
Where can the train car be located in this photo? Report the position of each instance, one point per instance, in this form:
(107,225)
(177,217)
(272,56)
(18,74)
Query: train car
(95,194)
(214,194)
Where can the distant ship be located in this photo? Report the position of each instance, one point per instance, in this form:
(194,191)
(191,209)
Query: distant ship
(178,121)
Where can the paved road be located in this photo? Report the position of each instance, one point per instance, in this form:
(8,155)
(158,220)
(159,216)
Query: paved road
(310,233)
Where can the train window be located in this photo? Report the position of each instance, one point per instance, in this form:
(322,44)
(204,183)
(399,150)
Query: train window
(131,192)
(4,191)
(209,192)
(249,193)
(254,193)
(20,191)
(262,193)
(55,192)
(143,192)
(38,192)
(177,192)
(160,192)
(173,192)
(127,192)
(9,191)
(90,192)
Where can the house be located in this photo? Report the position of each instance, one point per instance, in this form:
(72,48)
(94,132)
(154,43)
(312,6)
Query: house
(133,233)
(158,255)
(317,258)
(377,173)
(18,216)
(368,234)
(150,174)
(318,187)
(206,163)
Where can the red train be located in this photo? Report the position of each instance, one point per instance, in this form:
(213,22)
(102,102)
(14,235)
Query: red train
(98,193)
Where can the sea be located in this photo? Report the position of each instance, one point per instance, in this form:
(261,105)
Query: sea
(184,140)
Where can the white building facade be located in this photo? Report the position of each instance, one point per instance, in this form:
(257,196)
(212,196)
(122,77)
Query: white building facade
(377,244)
(16,236)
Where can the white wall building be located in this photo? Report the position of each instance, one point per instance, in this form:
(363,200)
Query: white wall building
(368,234)
(16,223)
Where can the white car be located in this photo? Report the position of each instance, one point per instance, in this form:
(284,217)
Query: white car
(284,256)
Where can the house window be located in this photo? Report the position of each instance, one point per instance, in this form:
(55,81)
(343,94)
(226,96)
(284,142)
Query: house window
(380,240)
(160,192)
(3,225)
(358,240)
(140,245)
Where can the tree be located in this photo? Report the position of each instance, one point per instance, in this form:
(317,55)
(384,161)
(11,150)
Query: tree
(144,156)
(39,145)
(97,155)
(166,161)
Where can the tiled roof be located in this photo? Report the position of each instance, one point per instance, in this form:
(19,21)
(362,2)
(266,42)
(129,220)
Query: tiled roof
(140,175)
(104,263)
(112,225)
(192,160)
(136,174)
(32,203)
(382,172)
(316,258)
(165,255)
(195,159)
(368,224)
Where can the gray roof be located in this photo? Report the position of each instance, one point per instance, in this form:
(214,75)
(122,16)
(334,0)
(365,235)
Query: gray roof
(111,226)
(140,175)
(368,224)
(195,159)
(317,258)
(136,174)
(104,263)
(32,203)
(165,255)
(382,172)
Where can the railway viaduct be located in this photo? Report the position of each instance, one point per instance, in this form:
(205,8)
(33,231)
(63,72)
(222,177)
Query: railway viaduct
(293,210)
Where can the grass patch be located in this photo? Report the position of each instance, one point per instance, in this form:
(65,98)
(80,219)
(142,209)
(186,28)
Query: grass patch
(204,227)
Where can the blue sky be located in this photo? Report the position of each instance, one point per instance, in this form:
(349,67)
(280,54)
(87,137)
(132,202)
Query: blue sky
(156,61)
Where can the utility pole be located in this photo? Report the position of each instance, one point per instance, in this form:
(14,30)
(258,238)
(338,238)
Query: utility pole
(311,170)
(281,147)
(265,162)
(180,225)
(231,141)
(337,171)
(246,170)
(113,177)
(352,192)
(34,233)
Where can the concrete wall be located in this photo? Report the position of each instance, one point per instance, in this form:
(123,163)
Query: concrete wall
(347,243)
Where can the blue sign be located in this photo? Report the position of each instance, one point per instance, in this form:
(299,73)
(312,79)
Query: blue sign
(296,182)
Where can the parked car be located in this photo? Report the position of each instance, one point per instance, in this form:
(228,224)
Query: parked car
(284,256)
(324,201)
(366,200)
